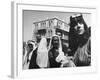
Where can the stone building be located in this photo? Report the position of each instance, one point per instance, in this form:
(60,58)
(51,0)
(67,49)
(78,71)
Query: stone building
(50,27)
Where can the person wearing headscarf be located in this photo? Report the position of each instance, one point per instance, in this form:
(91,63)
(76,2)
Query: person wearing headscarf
(80,40)
(57,57)
(30,47)
(42,54)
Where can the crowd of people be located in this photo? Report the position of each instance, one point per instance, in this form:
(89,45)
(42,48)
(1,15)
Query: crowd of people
(41,55)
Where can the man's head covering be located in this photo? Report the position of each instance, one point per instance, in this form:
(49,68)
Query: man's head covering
(42,54)
(77,18)
(42,45)
(33,43)
(51,42)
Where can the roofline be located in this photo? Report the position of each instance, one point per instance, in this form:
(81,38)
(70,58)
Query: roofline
(49,19)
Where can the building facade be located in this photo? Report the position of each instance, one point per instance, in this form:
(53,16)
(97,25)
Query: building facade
(49,28)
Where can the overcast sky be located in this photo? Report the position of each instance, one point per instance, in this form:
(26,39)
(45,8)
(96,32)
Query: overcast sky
(31,16)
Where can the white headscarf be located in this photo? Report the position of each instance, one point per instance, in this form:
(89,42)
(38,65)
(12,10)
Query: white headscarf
(42,54)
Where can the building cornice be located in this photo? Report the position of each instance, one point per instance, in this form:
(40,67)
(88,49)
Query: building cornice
(49,20)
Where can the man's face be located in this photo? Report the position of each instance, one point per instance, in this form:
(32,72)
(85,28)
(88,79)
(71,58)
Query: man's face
(29,47)
(78,24)
(79,28)
(55,41)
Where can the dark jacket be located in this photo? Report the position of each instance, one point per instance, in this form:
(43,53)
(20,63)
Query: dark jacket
(33,64)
